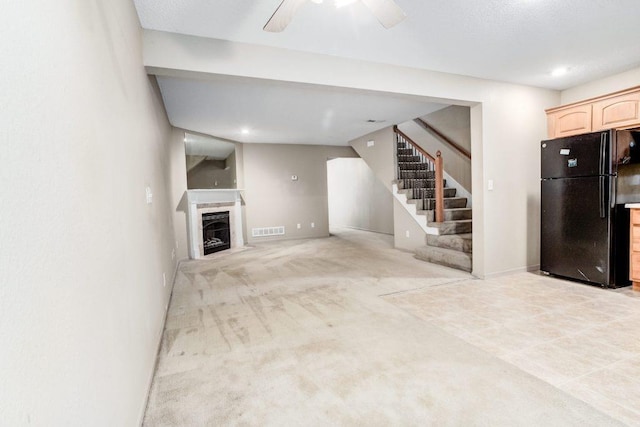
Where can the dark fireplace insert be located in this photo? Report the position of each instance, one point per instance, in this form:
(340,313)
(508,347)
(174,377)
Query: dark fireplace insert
(216,235)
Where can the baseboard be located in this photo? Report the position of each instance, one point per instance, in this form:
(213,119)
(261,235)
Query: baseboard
(527,269)
(362,229)
(159,345)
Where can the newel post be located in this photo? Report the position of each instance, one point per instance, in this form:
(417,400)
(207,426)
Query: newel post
(439,188)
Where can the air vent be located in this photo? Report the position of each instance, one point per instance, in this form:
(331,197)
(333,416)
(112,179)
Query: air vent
(267,231)
(375,121)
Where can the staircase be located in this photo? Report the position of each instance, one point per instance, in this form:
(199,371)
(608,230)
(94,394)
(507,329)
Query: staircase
(417,178)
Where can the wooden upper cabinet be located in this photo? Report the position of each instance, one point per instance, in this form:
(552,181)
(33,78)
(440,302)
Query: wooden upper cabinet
(618,111)
(614,111)
(570,121)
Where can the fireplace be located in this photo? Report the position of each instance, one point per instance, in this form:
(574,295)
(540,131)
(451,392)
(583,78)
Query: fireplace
(211,211)
(216,235)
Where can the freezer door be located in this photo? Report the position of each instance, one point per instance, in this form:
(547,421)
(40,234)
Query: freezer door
(575,228)
(580,155)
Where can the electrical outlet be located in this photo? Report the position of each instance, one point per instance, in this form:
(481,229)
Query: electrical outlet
(313,225)
(406,233)
(149,195)
(299,226)
(164,280)
(371,143)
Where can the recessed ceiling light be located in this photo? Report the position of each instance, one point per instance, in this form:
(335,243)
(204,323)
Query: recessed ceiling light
(560,71)
(245,131)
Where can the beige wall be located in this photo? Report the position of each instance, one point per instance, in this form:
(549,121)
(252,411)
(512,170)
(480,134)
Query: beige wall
(273,199)
(380,156)
(210,174)
(357,199)
(507,122)
(408,235)
(178,174)
(600,87)
(230,163)
(455,123)
(82,255)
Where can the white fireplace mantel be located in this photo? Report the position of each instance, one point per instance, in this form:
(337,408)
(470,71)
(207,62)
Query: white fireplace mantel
(199,200)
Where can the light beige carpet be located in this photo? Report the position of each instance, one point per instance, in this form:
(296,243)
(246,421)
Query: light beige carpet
(296,333)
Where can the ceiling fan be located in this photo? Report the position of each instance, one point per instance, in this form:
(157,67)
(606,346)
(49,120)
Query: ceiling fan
(386,11)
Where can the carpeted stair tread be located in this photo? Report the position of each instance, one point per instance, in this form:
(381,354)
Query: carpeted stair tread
(417,174)
(456,242)
(453,227)
(449,203)
(452,246)
(452,214)
(446,257)
(422,193)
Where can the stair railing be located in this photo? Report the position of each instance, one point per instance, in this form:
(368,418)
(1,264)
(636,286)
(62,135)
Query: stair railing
(431,164)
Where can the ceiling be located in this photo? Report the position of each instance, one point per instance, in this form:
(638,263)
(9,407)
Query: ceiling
(519,41)
(250,110)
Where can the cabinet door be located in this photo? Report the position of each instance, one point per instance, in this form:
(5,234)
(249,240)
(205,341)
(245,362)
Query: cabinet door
(616,112)
(570,121)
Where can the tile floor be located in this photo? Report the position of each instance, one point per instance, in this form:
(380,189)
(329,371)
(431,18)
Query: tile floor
(348,331)
(582,339)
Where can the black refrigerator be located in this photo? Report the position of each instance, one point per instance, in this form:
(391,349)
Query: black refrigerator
(584,234)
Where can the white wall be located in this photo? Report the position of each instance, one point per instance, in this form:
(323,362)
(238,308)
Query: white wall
(357,199)
(82,132)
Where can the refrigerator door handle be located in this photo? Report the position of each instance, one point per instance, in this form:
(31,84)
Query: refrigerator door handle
(612,191)
(603,146)
(603,202)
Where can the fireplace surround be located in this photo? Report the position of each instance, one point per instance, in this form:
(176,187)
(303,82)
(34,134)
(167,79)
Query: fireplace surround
(214,216)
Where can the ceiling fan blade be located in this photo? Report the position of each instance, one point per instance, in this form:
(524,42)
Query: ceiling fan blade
(283,15)
(387,11)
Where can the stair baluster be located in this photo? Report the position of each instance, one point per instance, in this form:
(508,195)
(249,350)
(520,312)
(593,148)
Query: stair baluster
(423,166)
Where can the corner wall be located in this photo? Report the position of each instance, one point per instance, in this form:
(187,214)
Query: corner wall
(357,199)
(273,199)
(82,258)
(380,156)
